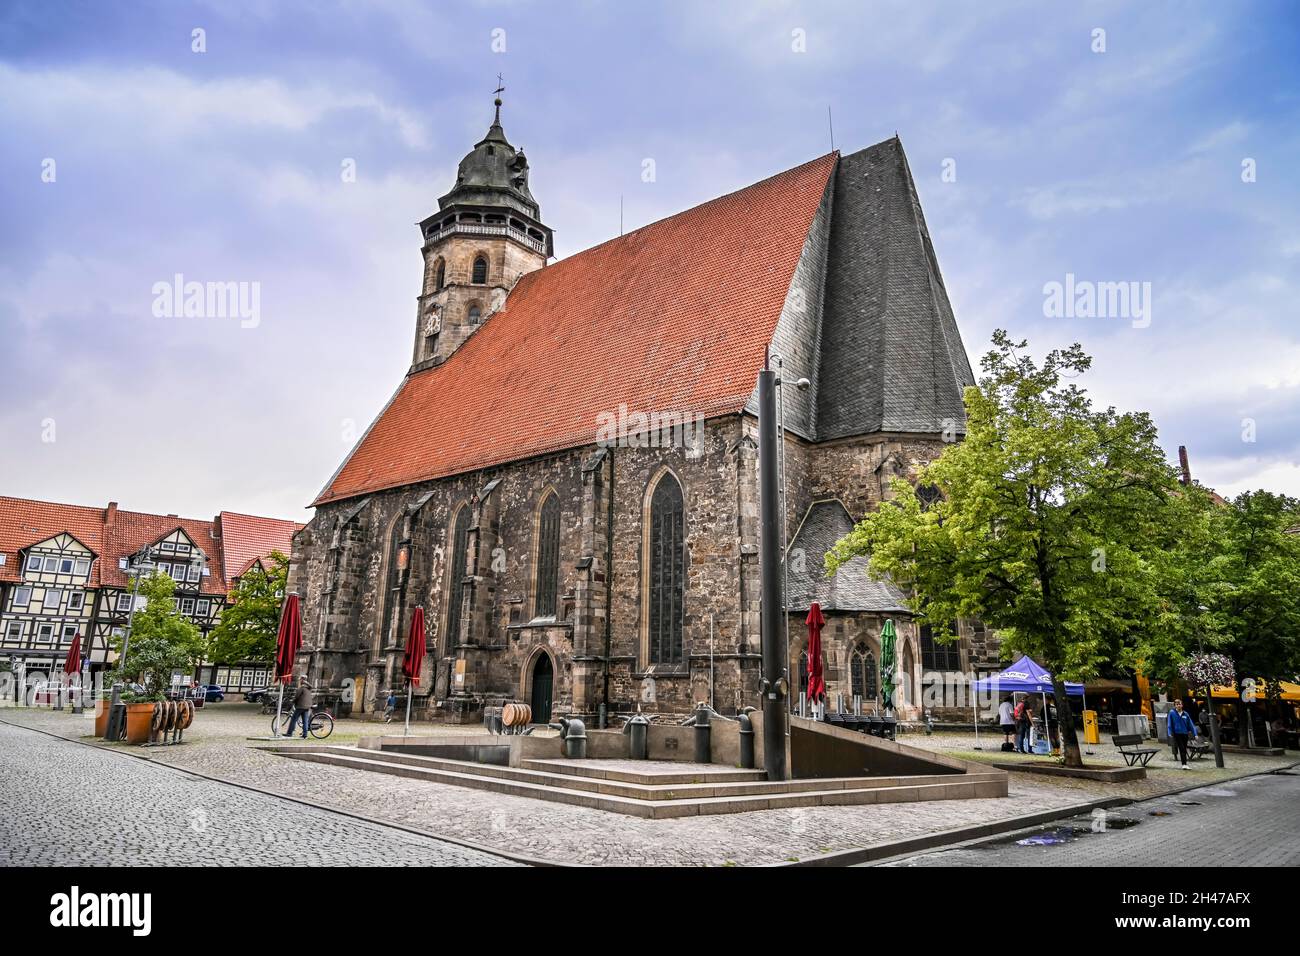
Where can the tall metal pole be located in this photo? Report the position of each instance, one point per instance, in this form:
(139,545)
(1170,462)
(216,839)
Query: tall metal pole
(774,686)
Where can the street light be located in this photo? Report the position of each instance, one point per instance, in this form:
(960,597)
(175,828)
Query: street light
(1209,702)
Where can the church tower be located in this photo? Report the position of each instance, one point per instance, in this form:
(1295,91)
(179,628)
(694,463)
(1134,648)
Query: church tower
(486,233)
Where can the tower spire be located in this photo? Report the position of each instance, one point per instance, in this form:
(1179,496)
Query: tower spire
(501,88)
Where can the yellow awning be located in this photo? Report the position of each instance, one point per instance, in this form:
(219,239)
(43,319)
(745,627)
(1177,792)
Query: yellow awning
(1289,691)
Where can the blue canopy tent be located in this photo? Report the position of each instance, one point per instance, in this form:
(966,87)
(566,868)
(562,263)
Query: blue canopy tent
(1025,676)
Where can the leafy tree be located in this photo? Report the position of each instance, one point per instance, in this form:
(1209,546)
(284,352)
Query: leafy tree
(162,641)
(1254,597)
(1047,525)
(248,627)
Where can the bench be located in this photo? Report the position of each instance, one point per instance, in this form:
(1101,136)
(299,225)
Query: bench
(1131,749)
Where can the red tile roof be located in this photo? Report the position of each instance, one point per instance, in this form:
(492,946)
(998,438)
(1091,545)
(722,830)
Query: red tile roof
(230,542)
(672,317)
(24,523)
(245,539)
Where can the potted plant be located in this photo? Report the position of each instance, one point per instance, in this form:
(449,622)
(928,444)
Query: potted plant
(161,642)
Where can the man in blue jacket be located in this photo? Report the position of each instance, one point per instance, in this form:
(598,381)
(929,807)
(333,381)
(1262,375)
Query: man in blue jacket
(1179,725)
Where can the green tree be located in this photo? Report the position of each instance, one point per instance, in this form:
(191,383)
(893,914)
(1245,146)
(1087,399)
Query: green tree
(1253,599)
(248,627)
(1046,527)
(162,641)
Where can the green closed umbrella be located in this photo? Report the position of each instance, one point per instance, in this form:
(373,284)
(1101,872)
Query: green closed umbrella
(887,639)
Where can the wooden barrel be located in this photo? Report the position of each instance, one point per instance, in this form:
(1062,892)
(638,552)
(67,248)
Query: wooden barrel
(159,712)
(187,715)
(516,715)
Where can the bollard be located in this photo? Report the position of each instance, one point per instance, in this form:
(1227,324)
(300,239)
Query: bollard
(703,735)
(574,734)
(638,729)
(746,739)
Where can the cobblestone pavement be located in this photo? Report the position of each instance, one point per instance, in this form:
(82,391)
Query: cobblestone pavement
(217,745)
(68,805)
(1251,822)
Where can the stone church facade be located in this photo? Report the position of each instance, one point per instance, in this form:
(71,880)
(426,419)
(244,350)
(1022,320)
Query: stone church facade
(566,480)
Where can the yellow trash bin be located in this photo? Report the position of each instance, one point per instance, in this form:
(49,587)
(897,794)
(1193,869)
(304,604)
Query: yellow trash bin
(1090,734)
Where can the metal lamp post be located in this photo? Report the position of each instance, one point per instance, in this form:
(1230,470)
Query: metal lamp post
(1209,702)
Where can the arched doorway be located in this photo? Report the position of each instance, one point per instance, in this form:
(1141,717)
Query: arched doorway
(543,684)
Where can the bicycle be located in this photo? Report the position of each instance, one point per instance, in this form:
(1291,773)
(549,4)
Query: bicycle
(320,723)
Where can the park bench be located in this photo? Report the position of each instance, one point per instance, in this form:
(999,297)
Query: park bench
(1131,749)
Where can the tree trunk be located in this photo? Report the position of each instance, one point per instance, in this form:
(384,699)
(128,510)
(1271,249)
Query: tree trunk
(1065,723)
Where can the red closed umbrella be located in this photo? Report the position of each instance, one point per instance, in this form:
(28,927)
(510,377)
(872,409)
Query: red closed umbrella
(287,643)
(73,664)
(816,673)
(413,659)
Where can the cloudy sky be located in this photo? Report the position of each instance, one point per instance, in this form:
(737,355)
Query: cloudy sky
(1163,150)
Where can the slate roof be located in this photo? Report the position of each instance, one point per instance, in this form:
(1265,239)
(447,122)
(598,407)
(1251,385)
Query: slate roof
(674,316)
(230,541)
(852,588)
(891,356)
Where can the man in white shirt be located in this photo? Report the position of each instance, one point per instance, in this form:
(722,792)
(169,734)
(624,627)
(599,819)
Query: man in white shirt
(1006,719)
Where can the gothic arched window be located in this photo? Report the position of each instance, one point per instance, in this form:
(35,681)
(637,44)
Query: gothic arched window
(803,673)
(862,672)
(398,553)
(456,575)
(441,276)
(480,271)
(473,315)
(667,572)
(548,556)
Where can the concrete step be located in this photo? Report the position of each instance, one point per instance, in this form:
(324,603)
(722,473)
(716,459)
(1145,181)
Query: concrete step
(676,801)
(588,768)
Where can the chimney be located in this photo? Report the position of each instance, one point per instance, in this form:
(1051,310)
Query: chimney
(110,516)
(1182,463)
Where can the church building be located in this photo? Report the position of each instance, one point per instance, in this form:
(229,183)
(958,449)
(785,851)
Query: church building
(566,478)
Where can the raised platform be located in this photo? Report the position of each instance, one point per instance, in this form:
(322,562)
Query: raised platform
(1100,774)
(829,766)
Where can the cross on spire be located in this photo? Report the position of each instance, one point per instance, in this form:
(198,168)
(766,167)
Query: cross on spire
(501,88)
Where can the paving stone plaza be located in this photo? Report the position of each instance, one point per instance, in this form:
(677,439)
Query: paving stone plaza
(80,802)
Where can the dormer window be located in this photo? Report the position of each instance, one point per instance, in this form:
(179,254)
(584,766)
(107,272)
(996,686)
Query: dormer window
(480,271)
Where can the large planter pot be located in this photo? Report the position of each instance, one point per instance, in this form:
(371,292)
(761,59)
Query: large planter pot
(139,721)
(101,717)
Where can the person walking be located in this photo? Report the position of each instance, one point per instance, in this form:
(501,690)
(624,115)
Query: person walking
(1024,714)
(390,708)
(1007,721)
(302,705)
(1179,725)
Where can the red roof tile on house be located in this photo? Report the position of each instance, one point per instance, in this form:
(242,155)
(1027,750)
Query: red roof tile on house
(230,543)
(672,317)
(24,522)
(246,538)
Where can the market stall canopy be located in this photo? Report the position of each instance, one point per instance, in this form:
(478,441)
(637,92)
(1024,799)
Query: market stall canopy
(1024,676)
(1288,690)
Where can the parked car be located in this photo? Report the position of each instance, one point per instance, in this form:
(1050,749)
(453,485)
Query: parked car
(255,696)
(213,693)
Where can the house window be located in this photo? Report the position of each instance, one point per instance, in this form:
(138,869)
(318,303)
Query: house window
(51,565)
(53,599)
(15,632)
(45,633)
(202,608)
(124,602)
(69,632)
(178,572)
(34,563)
(441,276)
(936,656)
(76,600)
(667,590)
(22,597)
(456,575)
(862,672)
(480,271)
(66,566)
(182,548)
(83,567)
(548,556)
(167,546)
(474,315)
(164,567)
(187,606)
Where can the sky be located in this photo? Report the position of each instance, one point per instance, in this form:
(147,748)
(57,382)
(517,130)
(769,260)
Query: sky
(291,147)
